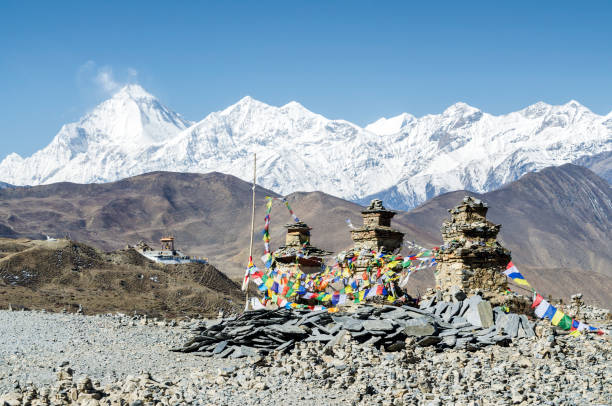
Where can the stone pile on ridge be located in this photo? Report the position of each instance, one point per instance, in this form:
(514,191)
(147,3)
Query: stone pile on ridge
(469,324)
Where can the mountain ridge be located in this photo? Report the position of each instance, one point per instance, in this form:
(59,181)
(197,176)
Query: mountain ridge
(557,222)
(404,160)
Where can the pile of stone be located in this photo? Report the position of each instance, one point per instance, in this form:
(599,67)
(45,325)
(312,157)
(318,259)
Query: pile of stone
(469,323)
(578,310)
(547,370)
(471,257)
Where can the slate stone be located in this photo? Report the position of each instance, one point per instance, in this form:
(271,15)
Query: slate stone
(373,340)
(378,325)
(487,331)
(324,338)
(288,329)
(449,332)
(459,322)
(226,352)
(285,346)
(353,325)
(395,347)
(419,327)
(426,304)
(239,330)
(395,314)
(509,324)
(449,341)
(428,340)
(334,329)
(527,326)
(454,309)
(220,347)
(462,342)
(440,308)
(364,333)
(480,314)
(458,294)
(415,310)
(244,351)
(471,301)
(335,341)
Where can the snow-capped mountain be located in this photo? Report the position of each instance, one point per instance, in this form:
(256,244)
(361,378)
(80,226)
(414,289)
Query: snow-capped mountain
(95,148)
(404,159)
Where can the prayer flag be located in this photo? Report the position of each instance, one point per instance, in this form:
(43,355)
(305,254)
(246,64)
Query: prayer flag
(557,317)
(537,301)
(566,322)
(575,324)
(541,308)
(550,312)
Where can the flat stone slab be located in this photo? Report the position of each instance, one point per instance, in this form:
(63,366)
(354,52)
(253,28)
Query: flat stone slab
(378,325)
(244,351)
(395,314)
(321,338)
(527,326)
(509,324)
(480,314)
(419,327)
(220,347)
(288,329)
(428,340)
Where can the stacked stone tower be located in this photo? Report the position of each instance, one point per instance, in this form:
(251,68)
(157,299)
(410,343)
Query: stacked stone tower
(375,234)
(471,258)
(297,250)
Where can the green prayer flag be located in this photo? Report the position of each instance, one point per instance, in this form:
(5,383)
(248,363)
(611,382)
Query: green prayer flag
(566,322)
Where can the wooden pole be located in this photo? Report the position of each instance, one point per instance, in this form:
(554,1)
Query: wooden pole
(246,305)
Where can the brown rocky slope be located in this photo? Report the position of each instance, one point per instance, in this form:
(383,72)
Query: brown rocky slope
(64,274)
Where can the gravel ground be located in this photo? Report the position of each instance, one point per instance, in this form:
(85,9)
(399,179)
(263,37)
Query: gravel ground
(128,363)
(106,348)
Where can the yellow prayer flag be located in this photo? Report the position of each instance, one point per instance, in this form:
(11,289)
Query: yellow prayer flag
(557,317)
(521,282)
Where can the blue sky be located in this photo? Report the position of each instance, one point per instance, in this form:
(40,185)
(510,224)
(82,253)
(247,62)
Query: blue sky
(356,60)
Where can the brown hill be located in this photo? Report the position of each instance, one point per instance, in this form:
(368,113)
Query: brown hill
(556,222)
(62,274)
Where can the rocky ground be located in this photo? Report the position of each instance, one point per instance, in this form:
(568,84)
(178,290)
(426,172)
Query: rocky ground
(55,358)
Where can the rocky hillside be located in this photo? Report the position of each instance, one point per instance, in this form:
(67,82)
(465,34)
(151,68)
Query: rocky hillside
(63,274)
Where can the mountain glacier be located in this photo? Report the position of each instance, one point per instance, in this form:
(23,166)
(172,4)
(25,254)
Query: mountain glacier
(404,160)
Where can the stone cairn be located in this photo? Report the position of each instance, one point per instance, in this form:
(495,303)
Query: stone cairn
(297,250)
(471,258)
(376,234)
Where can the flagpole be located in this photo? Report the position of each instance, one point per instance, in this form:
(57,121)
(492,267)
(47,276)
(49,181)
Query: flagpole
(246,304)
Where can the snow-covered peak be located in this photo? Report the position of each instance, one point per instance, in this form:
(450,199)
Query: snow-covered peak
(460,109)
(133,91)
(117,128)
(536,110)
(388,126)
